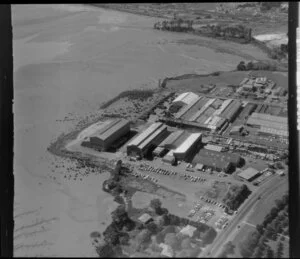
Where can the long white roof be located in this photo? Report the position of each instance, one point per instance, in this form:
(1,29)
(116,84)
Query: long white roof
(141,137)
(186,98)
(184,147)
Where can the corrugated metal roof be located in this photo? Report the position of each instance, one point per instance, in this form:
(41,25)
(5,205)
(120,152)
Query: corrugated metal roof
(106,127)
(172,138)
(186,98)
(269,117)
(198,113)
(223,107)
(141,137)
(274,131)
(248,173)
(185,109)
(121,123)
(152,136)
(188,143)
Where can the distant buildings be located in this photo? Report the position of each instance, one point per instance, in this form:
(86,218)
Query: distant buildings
(269,124)
(106,135)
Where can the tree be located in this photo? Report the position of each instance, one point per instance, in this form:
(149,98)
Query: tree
(209,235)
(241,66)
(269,253)
(111,236)
(279,251)
(105,251)
(155,204)
(259,228)
(119,214)
(229,248)
(124,239)
(152,227)
(171,240)
(186,243)
(249,66)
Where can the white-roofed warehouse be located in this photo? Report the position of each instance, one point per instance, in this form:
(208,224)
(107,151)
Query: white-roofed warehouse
(188,146)
(183,100)
(150,137)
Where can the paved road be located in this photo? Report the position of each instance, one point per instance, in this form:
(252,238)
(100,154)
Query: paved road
(216,246)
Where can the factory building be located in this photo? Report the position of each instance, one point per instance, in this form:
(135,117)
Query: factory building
(248,109)
(173,140)
(212,163)
(169,158)
(105,136)
(188,146)
(236,130)
(183,100)
(231,112)
(269,124)
(217,160)
(150,137)
(249,174)
(188,107)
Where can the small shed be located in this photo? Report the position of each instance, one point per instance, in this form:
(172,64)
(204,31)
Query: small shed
(145,218)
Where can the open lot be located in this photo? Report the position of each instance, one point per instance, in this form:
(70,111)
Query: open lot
(260,211)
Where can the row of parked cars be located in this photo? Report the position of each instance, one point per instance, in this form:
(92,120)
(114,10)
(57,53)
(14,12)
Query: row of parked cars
(220,205)
(145,177)
(156,170)
(222,222)
(191,178)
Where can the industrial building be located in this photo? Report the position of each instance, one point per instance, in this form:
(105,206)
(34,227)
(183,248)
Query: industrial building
(219,161)
(103,138)
(232,110)
(149,138)
(212,163)
(169,158)
(188,146)
(249,174)
(248,109)
(236,130)
(269,124)
(174,139)
(184,99)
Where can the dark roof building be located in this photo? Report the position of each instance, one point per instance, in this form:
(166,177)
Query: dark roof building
(104,137)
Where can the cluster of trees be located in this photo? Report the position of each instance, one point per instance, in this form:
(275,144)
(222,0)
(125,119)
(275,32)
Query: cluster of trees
(242,66)
(229,249)
(266,6)
(231,31)
(116,233)
(276,221)
(236,196)
(137,94)
(178,25)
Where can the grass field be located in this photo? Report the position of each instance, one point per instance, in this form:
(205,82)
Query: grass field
(242,234)
(263,208)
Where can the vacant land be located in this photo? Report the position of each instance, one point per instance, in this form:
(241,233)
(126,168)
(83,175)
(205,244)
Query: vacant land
(194,82)
(265,206)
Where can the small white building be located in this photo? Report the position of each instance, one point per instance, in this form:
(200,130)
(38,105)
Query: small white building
(167,250)
(188,230)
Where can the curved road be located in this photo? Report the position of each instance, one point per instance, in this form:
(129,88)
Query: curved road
(215,247)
